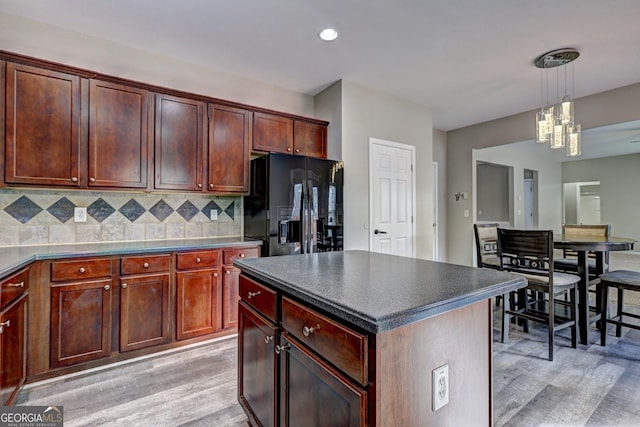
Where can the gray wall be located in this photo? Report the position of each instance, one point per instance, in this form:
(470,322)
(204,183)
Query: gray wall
(615,106)
(619,190)
(440,157)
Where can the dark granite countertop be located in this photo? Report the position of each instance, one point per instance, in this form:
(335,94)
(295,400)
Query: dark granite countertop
(379,292)
(15,257)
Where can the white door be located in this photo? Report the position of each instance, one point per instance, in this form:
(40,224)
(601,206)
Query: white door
(528,204)
(392,198)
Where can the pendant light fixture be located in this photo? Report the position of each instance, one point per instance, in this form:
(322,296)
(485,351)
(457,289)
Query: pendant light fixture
(555,122)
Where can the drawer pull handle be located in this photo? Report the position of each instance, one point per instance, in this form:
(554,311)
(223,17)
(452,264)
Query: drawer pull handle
(124,286)
(74,179)
(280,348)
(268,339)
(82,270)
(252,294)
(306,331)
(198,259)
(3,324)
(107,287)
(15,285)
(145,265)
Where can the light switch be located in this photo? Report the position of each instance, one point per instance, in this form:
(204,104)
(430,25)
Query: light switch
(466,213)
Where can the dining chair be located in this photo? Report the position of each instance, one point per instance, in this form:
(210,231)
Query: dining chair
(530,253)
(569,261)
(487,245)
(622,280)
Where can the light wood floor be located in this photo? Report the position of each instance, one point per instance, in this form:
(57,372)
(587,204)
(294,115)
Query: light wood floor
(587,386)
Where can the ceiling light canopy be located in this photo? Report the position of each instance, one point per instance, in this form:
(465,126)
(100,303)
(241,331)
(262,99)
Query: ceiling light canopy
(555,122)
(328,34)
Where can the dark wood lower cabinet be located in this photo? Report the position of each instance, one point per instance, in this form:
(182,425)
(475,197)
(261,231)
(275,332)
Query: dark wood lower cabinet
(13,361)
(80,322)
(199,308)
(257,361)
(314,394)
(230,296)
(144,311)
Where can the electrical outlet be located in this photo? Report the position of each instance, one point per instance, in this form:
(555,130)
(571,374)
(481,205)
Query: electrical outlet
(440,387)
(79,214)
(213,214)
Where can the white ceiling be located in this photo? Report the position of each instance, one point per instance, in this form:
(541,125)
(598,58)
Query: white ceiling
(468,60)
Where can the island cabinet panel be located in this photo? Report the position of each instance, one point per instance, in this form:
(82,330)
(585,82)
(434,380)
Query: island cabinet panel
(13,345)
(229,149)
(309,387)
(80,321)
(118,131)
(309,139)
(258,367)
(272,133)
(230,283)
(179,143)
(32,136)
(198,294)
(144,311)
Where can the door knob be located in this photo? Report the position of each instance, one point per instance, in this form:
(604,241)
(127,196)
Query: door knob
(376,231)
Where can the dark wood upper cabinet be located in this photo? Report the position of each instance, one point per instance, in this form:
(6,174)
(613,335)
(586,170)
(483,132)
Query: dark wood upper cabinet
(272,133)
(309,139)
(229,149)
(179,143)
(118,130)
(42,138)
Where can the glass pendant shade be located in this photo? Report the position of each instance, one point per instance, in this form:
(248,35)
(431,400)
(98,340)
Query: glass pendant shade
(565,112)
(542,132)
(573,141)
(558,136)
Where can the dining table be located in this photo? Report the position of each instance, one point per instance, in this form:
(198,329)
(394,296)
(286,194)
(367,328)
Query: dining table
(583,245)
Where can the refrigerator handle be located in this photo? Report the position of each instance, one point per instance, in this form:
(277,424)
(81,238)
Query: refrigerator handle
(305,219)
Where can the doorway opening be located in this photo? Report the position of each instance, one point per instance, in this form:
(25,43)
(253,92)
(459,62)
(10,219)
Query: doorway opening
(581,202)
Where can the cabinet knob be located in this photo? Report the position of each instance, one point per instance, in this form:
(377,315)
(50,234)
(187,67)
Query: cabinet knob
(297,150)
(228,272)
(107,287)
(81,270)
(145,265)
(210,185)
(3,324)
(252,294)
(198,259)
(15,285)
(268,338)
(280,348)
(124,286)
(307,330)
(92,179)
(241,255)
(289,149)
(74,179)
(215,274)
(199,185)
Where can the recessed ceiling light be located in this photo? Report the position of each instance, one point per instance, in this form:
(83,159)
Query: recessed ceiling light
(328,34)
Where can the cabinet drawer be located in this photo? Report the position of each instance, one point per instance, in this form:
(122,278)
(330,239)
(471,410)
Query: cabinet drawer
(199,259)
(260,297)
(82,269)
(144,264)
(231,255)
(341,346)
(13,286)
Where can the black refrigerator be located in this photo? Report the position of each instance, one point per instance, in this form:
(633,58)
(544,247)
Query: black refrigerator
(295,204)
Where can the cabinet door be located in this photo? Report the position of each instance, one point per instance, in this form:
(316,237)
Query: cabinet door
(118,129)
(310,139)
(272,133)
(199,303)
(13,360)
(229,136)
(257,367)
(42,122)
(179,143)
(230,295)
(308,387)
(144,311)
(80,322)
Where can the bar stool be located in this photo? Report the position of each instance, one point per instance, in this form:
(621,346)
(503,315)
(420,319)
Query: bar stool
(621,280)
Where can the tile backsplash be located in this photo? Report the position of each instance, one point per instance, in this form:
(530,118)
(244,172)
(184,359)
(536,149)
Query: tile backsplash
(38,217)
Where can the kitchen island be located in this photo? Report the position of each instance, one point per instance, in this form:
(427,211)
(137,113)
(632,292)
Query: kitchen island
(358,338)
